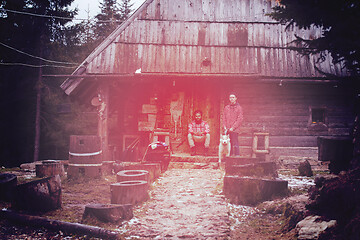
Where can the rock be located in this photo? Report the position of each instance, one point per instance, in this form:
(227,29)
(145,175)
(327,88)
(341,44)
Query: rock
(305,169)
(336,197)
(312,227)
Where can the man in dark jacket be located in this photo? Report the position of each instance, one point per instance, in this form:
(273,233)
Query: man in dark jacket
(232,119)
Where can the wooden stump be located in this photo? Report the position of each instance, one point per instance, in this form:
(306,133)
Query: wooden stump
(108,212)
(129,192)
(48,168)
(259,169)
(132,175)
(39,196)
(154,169)
(8,184)
(250,191)
(231,161)
(107,167)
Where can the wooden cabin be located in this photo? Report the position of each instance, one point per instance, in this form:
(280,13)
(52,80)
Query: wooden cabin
(172,57)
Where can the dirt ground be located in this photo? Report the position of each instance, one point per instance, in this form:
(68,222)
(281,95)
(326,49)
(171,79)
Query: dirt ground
(184,204)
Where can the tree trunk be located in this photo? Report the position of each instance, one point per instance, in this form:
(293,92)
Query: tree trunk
(56,225)
(37,116)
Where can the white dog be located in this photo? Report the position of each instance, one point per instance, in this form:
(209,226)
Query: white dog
(224,147)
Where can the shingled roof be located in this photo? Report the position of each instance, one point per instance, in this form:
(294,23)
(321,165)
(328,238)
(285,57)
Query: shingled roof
(203,37)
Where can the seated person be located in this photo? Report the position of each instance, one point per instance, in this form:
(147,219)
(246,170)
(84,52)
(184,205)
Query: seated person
(199,132)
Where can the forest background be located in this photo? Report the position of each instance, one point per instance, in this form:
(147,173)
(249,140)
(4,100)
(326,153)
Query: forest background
(42,37)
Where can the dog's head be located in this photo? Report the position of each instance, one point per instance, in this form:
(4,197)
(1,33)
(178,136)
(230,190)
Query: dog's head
(224,139)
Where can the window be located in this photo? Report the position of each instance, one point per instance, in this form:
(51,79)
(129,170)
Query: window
(318,120)
(318,115)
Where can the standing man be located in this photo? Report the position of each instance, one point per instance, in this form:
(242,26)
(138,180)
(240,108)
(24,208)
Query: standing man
(199,132)
(232,119)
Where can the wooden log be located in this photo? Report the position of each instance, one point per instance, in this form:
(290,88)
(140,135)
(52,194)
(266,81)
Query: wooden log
(39,195)
(250,191)
(231,161)
(56,225)
(132,175)
(260,169)
(108,212)
(48,168)
(8,184)
(129,192)
(154,169)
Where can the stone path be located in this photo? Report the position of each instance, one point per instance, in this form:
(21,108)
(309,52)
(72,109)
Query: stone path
(184,204)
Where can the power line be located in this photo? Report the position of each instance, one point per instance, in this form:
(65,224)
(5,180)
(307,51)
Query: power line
(58,17)
(33,66)
(40,58)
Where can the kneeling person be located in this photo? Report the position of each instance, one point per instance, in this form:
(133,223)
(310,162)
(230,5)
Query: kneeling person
(199,132)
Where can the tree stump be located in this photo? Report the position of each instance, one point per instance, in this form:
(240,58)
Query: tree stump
(259,169)
(132,175)
(8,184)
(38,196)
(154,169)
(107,167)
(250,191)
(48,168)
(129,192)
(113,213)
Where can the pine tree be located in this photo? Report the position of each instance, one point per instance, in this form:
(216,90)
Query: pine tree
(25,33)
(112,15)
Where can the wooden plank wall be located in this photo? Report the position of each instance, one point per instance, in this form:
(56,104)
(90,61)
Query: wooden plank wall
(234,36)
(284,112)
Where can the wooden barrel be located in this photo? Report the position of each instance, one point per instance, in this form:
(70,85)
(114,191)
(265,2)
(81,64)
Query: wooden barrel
(129,192)
(132,175)
(48,168)
(85,156)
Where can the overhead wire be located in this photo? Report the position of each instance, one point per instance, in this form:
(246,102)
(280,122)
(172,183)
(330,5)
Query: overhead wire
(57,17)
(34,66)
(40,58)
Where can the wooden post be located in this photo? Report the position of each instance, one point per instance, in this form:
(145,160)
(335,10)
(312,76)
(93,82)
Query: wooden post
(103,117)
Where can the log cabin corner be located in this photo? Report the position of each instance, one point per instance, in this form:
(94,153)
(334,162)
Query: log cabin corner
(172,57)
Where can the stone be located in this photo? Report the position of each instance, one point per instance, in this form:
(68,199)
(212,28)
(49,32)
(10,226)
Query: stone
(312,227)
(305,169)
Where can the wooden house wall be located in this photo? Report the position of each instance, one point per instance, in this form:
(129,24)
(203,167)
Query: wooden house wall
(235,37)
(284,112)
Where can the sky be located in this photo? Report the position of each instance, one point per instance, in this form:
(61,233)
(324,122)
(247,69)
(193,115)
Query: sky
(92,7)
